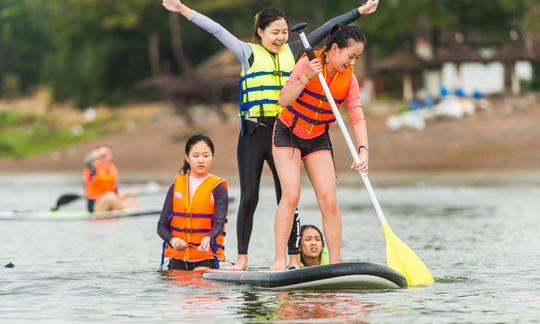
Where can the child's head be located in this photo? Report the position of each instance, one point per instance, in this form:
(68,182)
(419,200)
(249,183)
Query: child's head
(271,29)
(311,242)
(199,155)
(104,153)
(344,46)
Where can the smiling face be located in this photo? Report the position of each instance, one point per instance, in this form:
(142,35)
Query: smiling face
(341,58)
(275,35)
(311,243)
(200,159)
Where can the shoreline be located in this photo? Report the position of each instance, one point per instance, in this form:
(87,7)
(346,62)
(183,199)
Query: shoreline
(497,146)
(479,177)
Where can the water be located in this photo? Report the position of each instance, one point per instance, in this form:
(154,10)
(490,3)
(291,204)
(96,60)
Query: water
(480,242)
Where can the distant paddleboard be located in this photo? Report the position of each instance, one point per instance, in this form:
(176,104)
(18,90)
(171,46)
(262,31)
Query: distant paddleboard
(77,215)
(342,276)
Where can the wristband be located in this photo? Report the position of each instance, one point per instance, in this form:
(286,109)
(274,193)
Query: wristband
(308,80)
(363,147)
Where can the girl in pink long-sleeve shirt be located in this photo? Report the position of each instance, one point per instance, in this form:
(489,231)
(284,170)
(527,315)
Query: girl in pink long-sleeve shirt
(301,135)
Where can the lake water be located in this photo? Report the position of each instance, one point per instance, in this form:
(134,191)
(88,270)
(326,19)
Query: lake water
(481,243)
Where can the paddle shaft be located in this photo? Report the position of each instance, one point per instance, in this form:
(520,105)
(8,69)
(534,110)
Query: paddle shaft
(343,128)
(213,254)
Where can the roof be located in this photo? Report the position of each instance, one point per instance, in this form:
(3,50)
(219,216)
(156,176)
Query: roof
(515,51)
(402,60)
(458,53)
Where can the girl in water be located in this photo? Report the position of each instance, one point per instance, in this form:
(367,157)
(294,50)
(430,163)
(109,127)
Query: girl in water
(192,222)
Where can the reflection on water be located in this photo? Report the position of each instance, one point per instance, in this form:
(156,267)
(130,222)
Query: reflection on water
(294,307)
(481,244)
(259,305)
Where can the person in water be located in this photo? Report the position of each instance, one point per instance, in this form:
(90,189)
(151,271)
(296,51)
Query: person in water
(266,66)
(192,222)
(301,134)
(100,177)
(312,249)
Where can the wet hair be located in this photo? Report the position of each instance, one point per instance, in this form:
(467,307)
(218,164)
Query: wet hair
(189,145)
(265,17)
(344,36)
(303,228)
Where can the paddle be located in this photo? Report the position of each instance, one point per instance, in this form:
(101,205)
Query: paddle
(213,254)
(398,255)
(71,197)
(65,199)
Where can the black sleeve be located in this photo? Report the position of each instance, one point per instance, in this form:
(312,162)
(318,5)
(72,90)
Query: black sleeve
(221,206)
(163,224)
(316,36)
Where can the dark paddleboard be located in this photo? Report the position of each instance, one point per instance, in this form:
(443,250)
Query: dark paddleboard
(342,276)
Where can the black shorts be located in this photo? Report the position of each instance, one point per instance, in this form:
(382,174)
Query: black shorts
(175,264)
(285,138)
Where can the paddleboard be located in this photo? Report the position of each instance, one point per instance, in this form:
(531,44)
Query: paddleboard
(342,276)
(77,214)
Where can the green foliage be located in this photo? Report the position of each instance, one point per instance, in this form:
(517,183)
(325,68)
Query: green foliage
(94,51)
(14,117)
(21,136)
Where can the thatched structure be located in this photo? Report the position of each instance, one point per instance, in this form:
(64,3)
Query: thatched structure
(212,82)
(457,53)
(407,63)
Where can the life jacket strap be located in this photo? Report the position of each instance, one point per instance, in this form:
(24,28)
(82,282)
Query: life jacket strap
(316,109)
(320,96)
(307,119)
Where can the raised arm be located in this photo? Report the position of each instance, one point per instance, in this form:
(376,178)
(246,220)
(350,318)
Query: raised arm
(316,36)
(239,48)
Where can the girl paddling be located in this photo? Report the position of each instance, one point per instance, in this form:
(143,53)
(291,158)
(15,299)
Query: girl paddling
(301,134)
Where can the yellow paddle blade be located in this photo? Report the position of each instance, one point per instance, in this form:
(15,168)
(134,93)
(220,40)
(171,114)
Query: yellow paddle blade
(402,258)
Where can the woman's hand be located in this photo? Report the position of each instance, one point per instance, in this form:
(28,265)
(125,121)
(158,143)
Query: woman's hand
(369,7)
(316,67)
(363,165)
(172,5)
(178,244)
(205,244)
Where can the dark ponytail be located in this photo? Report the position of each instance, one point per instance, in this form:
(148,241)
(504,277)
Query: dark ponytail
(189,145)
(265,17)
(344,36)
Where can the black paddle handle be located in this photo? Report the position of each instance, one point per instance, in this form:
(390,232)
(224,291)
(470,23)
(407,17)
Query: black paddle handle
(299,28)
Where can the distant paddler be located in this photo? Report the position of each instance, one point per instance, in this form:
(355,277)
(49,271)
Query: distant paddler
(101,182)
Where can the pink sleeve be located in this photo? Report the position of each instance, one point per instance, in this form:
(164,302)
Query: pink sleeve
(354,104)
(302,66)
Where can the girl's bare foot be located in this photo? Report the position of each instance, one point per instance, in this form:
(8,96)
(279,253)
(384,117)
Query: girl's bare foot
(278,265)
(241,262)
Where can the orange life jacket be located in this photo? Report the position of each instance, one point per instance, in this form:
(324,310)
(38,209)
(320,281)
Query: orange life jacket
(311,114)
(192,220)
(102,181)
